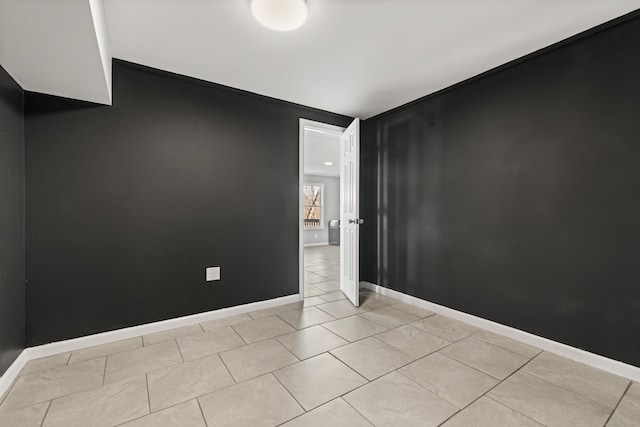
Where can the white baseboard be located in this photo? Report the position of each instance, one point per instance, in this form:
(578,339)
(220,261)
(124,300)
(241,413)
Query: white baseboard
(306,245)
(135,331)
(12,372)
(600,362)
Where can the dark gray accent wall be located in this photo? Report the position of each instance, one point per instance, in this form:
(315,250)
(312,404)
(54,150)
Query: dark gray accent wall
(516,196)
(12,302)
(127,205)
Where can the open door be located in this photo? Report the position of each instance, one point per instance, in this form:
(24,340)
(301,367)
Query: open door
(349,212)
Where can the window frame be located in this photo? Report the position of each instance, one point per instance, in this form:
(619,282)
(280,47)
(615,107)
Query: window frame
(321,206)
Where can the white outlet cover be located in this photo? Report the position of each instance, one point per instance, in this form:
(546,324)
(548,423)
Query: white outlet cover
(213,273)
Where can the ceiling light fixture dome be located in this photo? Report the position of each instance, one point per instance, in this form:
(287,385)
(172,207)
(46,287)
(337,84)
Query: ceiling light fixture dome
(280,15)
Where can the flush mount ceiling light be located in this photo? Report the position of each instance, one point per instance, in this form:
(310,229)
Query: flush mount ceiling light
(280,15)
(328,163)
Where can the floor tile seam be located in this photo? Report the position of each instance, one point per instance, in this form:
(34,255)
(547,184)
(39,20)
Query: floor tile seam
(474,368)
(498,347)
(206,423)
(104,370)
(520,413)
(173,405)
(304,411)
(355,409)
(227,368)
(234,330)
(3,398)
(503,336)
(69,363)
(486,393)
(38,403)
(619,401)
(46,413)
(146,378)
(179,351)
(478,369)
(174,338)
(65,395)
(435,333)
(563,387)
(172,365)
(386,326)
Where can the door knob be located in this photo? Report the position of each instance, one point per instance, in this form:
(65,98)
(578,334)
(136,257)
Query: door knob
(356,221)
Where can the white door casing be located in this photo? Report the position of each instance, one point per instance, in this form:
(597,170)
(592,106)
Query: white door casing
(350,212)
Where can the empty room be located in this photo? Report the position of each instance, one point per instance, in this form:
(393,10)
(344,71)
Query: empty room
(319,213)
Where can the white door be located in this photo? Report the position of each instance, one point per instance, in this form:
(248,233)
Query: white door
(349,212)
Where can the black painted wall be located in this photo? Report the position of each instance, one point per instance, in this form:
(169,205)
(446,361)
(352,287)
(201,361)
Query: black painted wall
(12,303)
(516,197)
(127,205)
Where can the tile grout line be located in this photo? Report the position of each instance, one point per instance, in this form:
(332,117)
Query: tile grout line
(626,390)
(304,411)
(488,391)
(104,372)
(179,351)
(46,412)
(146,378)
(201,411)
(502,404)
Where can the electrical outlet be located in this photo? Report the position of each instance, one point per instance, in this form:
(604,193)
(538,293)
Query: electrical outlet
(213,273)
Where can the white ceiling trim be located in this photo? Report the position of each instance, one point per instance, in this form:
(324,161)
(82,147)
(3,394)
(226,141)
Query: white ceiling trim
(358,58)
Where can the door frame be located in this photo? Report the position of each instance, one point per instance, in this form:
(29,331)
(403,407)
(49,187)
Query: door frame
(319,127)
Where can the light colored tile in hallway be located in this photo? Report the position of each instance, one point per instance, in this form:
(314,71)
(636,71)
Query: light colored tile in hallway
(451,380)
(354,328)
(487,358)
(186,381)
(145,359)
(186,414)
(171,334)
(390,317)
(106,406)
(45,363)
(396,400)
(444,327)
(105,349)
(581,379)
(31,416)
(311,341)
(306,317)
(486,412)
(257,359)
(371,357)
(413,341)
(548,404)
(318,380)
(263,328)
(47,385)
(260,402)
(205,344)
(336,413)
(225,321)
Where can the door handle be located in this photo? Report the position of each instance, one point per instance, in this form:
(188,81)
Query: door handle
(356,221)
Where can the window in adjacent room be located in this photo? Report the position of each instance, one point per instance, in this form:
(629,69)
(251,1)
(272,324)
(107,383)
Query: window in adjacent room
(313,212)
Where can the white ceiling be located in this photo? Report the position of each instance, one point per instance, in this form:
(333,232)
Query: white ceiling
(57,47)
(355,57)
(321,147)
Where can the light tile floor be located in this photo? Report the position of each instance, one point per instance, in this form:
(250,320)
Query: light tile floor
(321,362)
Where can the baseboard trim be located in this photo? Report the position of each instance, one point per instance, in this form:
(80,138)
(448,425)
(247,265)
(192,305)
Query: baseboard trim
(58,347)
(307,245)
(150,328)
(10,375)
(600,362)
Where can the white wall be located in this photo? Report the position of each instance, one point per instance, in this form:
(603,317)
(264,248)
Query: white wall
(331,207)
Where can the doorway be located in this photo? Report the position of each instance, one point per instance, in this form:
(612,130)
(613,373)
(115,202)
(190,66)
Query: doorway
(328,244)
